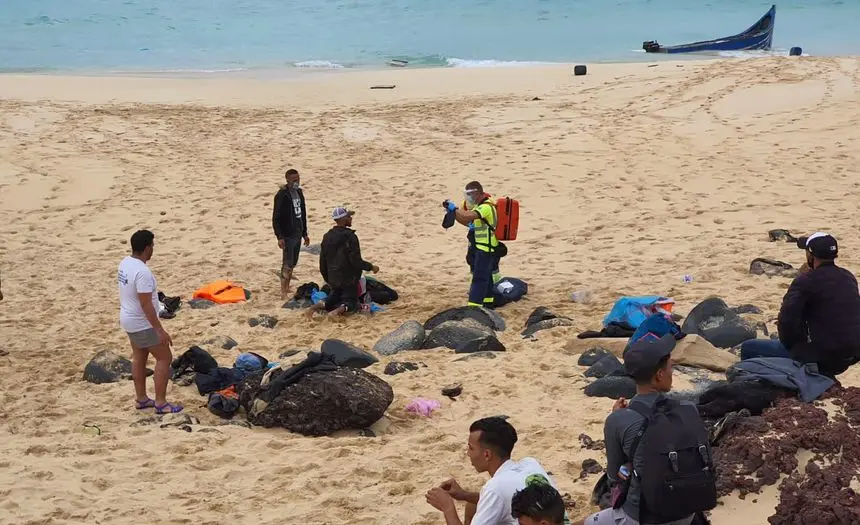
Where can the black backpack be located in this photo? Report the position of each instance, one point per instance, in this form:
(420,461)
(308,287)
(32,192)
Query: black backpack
(678,477)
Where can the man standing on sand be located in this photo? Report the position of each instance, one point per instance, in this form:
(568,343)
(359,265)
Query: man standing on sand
(290,222)
(341,265)
(491,441)
(138,316)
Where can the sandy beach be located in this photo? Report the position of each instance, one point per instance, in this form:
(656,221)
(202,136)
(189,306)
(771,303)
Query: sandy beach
(629,178)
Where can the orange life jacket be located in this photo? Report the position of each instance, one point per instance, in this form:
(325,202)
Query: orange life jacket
(221,292)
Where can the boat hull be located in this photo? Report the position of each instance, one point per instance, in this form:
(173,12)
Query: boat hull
(759,36)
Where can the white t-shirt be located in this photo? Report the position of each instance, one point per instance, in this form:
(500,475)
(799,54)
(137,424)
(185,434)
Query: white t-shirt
(133,278)
(494,503)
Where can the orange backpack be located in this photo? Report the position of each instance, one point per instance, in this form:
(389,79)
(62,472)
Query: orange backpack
(507,218)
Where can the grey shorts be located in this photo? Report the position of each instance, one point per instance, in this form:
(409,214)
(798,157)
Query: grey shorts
(144,339)
(292,247)
(610,517)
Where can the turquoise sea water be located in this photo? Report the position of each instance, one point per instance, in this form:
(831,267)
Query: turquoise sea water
(223,35)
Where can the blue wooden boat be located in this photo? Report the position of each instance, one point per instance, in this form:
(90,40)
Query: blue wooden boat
(758,36)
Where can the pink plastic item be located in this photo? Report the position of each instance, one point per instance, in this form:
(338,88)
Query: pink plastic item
(422,406)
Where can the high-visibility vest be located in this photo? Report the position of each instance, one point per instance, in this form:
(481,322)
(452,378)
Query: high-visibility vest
(484,234)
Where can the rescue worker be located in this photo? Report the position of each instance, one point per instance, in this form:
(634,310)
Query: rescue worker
(481,218)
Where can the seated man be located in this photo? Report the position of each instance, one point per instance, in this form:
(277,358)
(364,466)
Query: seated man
(538,504)
(491,441)
(819,321)
(632,465)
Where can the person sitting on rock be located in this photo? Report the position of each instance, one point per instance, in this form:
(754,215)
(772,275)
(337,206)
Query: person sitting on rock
(491,441)
(538,504)
(649,362)
(819,321)
(341,266)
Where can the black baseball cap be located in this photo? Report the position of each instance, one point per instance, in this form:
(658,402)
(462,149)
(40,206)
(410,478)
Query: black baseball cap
(821,245)
(645,354)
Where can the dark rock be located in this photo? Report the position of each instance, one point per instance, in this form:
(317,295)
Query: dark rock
(588,443)
(781,235)
(313,249)
(592,356)
(366,432)
(398,367)
(452,391)
(3,353)
(481,355)
(612,387)
(718,324)
(264,320)
(541,313)
(547,324)
(771,268)
(201,304)
(346,354)
(590,466)
(487,343)
(223,342)
(746,309)
(452,334)
(295,304)
(288,353)
(319,404)
(488,318)
(410,336)
(609,365)
(107,367)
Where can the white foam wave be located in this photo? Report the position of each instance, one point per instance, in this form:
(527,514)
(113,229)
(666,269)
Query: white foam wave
(462,62)
(319,64)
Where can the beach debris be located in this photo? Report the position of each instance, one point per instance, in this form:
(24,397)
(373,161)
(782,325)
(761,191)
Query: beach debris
(107,367)
(536,98)
(90,429)
(319,403)
(781,235)
(579,70)
(264,320)
(452,391)
(590,466)
(718,324)
(590,444)
(221,341)
(479,355)
(409,336)
(771,268)
(608,365)
(612,387)
(795,51)
(313,249)
(398,367)
(396,62)
(423,406)
(546,325)
(541,313)
(201,304)
(346,354)
(290,353)
(453,334)
(687,278)
(488,343)
(592,355)
(581,296)
(383,86)
(488,318)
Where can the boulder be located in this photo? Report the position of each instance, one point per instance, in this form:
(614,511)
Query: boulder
(264,320)
(771,268)
(321,403)
(452,334)
(546,324)
(592,356)
(541,313)
(347,355)
(612,387)
(410,336)
(609,365)
(488,318)
(398,367)
(107,367)
(717,323)
(486,343)
(695,351)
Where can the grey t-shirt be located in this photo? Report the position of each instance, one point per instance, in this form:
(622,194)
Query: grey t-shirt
(619,433)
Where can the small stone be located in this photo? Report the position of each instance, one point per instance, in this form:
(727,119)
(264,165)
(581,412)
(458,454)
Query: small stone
(295,304)
(488,343)
(590,466)
(223,342)
(398,367)
(409,336)
(612,387)
(366,432)
(264,320)
(608,365)
(546,324)
(162,213)
(481,355)
(588,443)
(452,391)
(3,352)
(592,355)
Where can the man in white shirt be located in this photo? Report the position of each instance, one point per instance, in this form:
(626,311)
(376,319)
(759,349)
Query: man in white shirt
(138,316)
(491,441)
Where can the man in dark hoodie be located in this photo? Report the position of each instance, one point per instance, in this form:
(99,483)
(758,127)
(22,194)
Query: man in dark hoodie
(819,321)
(290,222)
(341,266)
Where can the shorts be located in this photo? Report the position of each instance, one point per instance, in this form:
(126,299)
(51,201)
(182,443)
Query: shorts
(619,517)
(346,296)
(292,247)
(144,339)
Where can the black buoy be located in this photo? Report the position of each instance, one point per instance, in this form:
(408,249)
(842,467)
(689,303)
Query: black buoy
(579,70)
(795,52)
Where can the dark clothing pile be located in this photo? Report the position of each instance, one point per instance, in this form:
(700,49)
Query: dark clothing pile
(340,258)
(315,362)
(612,330)
(819,321)
(287,221)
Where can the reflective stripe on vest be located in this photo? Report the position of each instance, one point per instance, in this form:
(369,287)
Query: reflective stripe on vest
(485,238)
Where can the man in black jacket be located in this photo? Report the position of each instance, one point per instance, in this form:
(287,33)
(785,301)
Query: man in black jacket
(819,321)
(290,222)
(341,265)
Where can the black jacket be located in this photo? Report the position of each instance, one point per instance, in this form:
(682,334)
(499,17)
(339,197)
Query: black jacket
(819,321)
(340,258)
(284,217)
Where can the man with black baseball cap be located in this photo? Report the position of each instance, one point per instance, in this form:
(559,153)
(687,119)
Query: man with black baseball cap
(819,321)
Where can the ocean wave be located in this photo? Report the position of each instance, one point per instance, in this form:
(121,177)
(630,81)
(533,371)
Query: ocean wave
(462,62)
(319,64)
